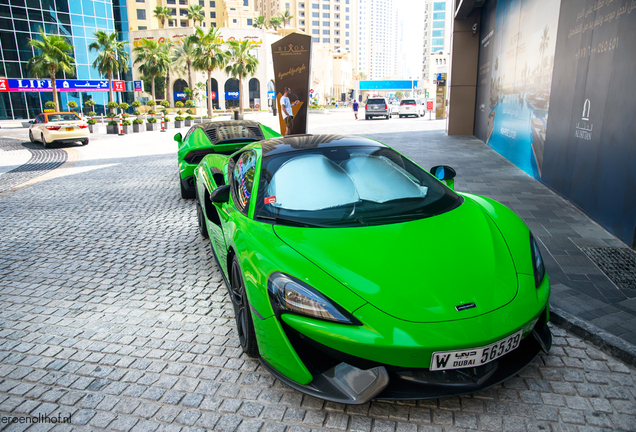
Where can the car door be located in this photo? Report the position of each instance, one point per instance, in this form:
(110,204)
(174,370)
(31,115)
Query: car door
(37,126)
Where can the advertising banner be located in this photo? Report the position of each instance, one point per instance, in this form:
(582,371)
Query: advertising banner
(231,95)
(440,97)
(292,65)
(138,86)
(67,85)
(179,96)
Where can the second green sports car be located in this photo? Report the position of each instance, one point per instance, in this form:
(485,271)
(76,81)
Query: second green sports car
(220,137)
(355,274)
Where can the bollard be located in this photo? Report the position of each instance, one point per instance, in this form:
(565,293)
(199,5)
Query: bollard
(163,123)
(121,126)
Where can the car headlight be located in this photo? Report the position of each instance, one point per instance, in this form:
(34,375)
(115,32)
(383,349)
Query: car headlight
(537,262)
(289,294)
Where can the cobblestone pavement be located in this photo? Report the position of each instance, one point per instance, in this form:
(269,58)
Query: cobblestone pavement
(40,162)
(113,312)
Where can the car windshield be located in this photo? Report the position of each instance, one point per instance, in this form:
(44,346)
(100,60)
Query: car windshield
(376,102)
(407,102)
(62,117)
(348,186)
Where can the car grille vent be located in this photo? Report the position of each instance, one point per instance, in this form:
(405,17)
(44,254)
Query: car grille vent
(256,131)
(211,134)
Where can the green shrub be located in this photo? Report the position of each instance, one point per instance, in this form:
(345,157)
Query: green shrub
(189,103)
(112,105)
(189,118)
(123,106)
(89,103)
(165,112)
(113,123)
(165,104)
(179,112)
(91,121)
(151,112)
(111,115)
(49,105)
(126,123)
(72,105)
(137,113)
(178,104)
(189,111)
(136,104)
(151,103)
(152,120)
(92,114)
(179,118)
(138,121)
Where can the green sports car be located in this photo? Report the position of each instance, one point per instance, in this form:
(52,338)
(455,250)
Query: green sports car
(355,274)
(220,137)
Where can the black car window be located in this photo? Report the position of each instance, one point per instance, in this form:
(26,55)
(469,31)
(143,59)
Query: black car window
(376,102)
(243,180)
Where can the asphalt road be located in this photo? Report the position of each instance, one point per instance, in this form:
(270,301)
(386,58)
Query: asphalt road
(113,312)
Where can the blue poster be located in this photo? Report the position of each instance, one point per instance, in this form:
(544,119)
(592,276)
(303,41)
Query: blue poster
(231,95)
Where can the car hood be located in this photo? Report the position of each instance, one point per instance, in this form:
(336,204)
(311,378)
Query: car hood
(417,271)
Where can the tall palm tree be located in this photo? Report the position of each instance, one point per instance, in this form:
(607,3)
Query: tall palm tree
(209,55)
(162,13)
(184,55)
(260,22)
(150,60)
(165,64)
(54,55)
(242,64)
(545,39)
(285,17)
(195,13)
(275,23)
(112,56)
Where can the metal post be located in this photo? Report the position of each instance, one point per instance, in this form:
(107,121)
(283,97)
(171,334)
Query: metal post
(163,123)
(121,126)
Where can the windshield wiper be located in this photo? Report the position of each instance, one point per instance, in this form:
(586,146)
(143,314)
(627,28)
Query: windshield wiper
(290,222)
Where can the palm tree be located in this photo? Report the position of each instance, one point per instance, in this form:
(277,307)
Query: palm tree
(165,64)
(260,22)
(195,13)
(209,55)
(545,39)
(150,60)
(285,17)
(276,23)
(112,57)
(54,55)
(184,55)
(241,64)
(162,13)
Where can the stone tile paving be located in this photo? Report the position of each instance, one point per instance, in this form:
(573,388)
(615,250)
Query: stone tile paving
(40,162)
(113,312)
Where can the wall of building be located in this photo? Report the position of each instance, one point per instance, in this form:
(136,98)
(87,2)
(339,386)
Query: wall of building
(554,97)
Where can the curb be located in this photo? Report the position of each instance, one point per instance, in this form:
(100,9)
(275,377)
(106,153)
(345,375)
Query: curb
(605,341)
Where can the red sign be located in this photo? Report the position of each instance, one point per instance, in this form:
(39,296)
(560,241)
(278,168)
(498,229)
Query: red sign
(311,91)
(429,105)
(119,86)
(213,95)
(4,84)
(270,200)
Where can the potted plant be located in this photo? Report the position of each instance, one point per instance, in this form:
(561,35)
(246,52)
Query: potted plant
(178,122)
(152,124)
(127,127)
(123,107)
(152,105)
(178,104)
(49,106)
(90,104)
(72,105)
(112,106)
(188,120)
(137,113)
(189,104)
(165,104)
(138,125)
(92,126)
(112,127)
(135,104)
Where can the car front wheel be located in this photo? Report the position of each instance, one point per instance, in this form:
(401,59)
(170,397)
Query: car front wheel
(31,137)
(242,313)
(44,143)
(203,229)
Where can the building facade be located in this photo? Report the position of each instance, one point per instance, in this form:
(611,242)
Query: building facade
(377,45)
(436,43)
(78,20)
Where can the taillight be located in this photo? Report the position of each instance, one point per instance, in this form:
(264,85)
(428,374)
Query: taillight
(366,106)
(53,127)
(83,126)
(386,107)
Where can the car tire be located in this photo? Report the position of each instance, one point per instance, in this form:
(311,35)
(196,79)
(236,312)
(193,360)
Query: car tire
(242,312)
(31,137)
(366,117)
(44,143)
(203,228)
(401,116)
(85,142)
(185,194)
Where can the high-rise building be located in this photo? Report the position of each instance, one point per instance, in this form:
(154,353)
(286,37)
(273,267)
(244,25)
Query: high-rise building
(377,50)
(20,20)
(436,43)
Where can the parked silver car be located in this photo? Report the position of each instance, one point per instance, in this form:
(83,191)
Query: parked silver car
(377,107)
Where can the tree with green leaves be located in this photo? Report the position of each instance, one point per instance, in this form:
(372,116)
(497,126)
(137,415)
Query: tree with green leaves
(184,55)
(162,13)
(166,63)
(260,22)
(276,23)
(209,55)
(195,13)
(112,57)
(241,64)
(285,18)
(150,58)
(52,54)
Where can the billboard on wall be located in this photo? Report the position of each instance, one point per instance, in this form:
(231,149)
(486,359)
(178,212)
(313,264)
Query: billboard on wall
(292,58)
(62,85)
(518,40)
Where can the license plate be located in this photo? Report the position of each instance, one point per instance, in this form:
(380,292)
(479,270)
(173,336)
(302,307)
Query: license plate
(70,129)
(446,360)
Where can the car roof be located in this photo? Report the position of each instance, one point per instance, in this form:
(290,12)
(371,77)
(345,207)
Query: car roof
(229,130)
(298,143)
(59,112)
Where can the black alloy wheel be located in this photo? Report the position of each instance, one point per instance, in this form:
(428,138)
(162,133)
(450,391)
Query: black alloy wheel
(242,313)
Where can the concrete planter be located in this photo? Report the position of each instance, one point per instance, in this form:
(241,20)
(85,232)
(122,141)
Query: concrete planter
(188,123)
(93,128)
(152,126)
(198,120)
(112,130)
(178,124)
(128,129)
(138,128)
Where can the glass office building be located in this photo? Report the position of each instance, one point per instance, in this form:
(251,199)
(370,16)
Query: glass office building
(21,20)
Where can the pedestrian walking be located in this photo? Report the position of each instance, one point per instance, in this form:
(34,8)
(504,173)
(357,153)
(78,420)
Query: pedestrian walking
(355,108)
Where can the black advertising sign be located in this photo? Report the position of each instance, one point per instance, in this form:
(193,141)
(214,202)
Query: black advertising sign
(292,65)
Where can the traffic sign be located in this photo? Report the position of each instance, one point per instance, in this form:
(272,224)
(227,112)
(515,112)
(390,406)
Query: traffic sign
(429,105)
(311,91)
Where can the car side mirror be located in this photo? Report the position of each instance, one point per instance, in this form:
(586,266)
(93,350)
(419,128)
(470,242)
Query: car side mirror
(178,137)
(444,173)
(221,194)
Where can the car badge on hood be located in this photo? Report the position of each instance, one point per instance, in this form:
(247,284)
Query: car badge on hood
(465,306)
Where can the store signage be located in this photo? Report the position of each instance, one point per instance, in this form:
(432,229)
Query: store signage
(231,95)
(179,96)
(271,95)
(138,85)
(37,85)
(213,95)
(429,105)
